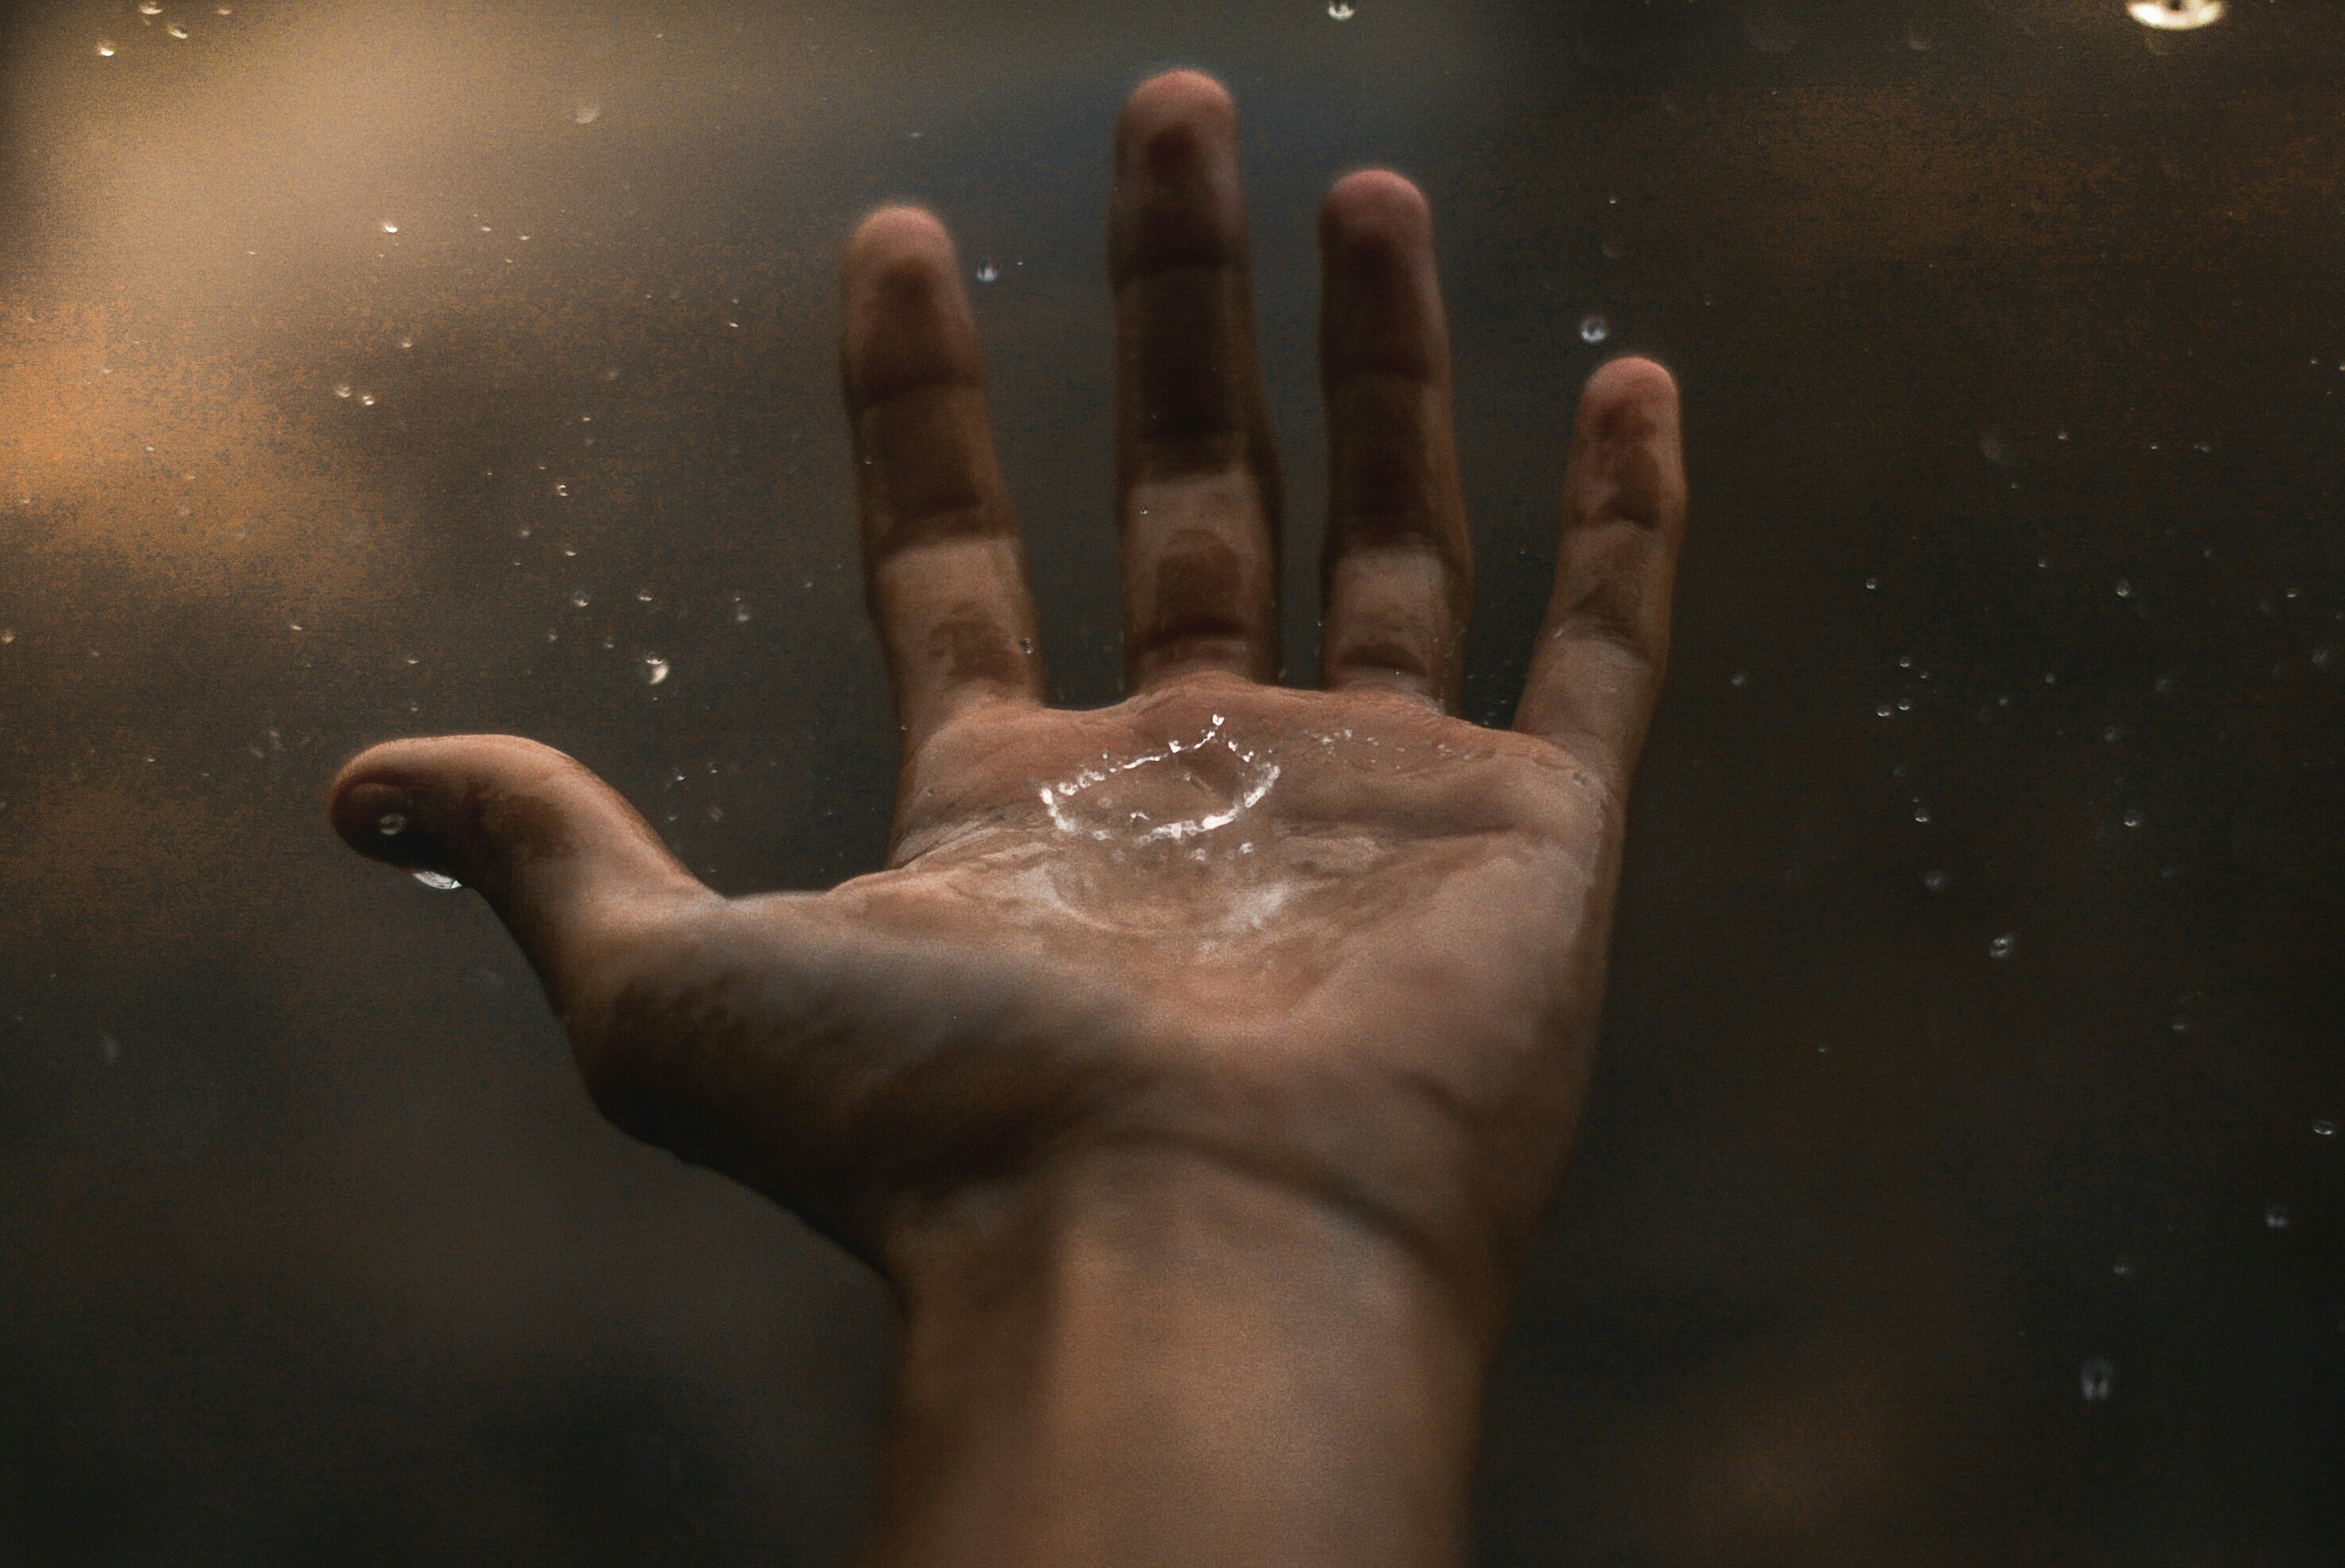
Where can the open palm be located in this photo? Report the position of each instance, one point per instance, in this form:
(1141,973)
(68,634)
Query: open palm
(1337,941)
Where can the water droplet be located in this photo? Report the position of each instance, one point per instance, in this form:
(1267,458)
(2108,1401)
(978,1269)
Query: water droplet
(390,824)
(1921,814)
(643,596)
(2176,16)
(2125,589)
(986,271)
(1996,446)
(2180,1026)
(2324,1128)
(580,599)
(740,610)
(1904,705)
(2095,1379)
(1594,328)
(177,30)
(1935,881)
(656,669)
(586,110)
(2122,1268)
(1340,10)
(366,400)
(105,47)
(341,388)
(2131,819)
(7,633)
(1883,710)
(407,342)
(2321,657)
(151,7)
(563,490)
(716,813)
(2277,1216)
(1916,39)
(2002,946)
(1025,645)
(1740,678)
(390,227)
(439,882)
(1872,584)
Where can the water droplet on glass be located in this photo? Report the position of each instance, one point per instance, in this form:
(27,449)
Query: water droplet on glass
(654,670)
(585,111)
(341,388)
(740,610)
(2122,1268)
(1872,584)
(2002,946)
(643,596)
(439,882)
(1921,814)
(986,271)
(2176,16)
(1996,446)
(563,490)
(1935,881)
(390,824)
(1904,705)
(366,400)
(1740,678)
(2125,589)
(1883,710)
(2131,819)
(2277,1216)
(2324,1128)
(2180,1026)
(1915,39)
(389,227)
(1339,10)
(1025,645)
(580,599)
(151,7)
(7,633)
(407,342)
(177,30)
(1594,328)
(105,47)
(2095,1379)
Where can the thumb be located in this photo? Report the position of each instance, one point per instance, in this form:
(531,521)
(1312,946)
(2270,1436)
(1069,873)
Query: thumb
(576,876)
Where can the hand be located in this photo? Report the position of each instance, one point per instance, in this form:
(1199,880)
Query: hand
(1237,999)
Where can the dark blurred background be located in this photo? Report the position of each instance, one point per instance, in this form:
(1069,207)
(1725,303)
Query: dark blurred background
(1961,1184)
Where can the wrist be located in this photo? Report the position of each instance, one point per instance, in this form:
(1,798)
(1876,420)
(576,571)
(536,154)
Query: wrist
(1145,1358)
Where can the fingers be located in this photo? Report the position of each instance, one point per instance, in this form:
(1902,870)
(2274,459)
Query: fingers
(1196,476)
(943,565)
(1597,670)
(569,867)
(1400,569)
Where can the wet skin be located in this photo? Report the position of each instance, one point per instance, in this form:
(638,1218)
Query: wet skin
(1197,1070)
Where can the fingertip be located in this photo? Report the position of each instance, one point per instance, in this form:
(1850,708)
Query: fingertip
(1628,389)
(1172,99)
(1375,205)
(904,320)
(897,232)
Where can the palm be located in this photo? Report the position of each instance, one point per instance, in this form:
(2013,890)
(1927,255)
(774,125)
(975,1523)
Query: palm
(1338,937)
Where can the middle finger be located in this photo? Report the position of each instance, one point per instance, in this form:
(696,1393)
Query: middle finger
(1196,474)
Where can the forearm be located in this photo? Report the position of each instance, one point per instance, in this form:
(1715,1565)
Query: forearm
(1124,1368)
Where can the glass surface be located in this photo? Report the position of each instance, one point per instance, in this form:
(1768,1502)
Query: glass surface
(1960,1183)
